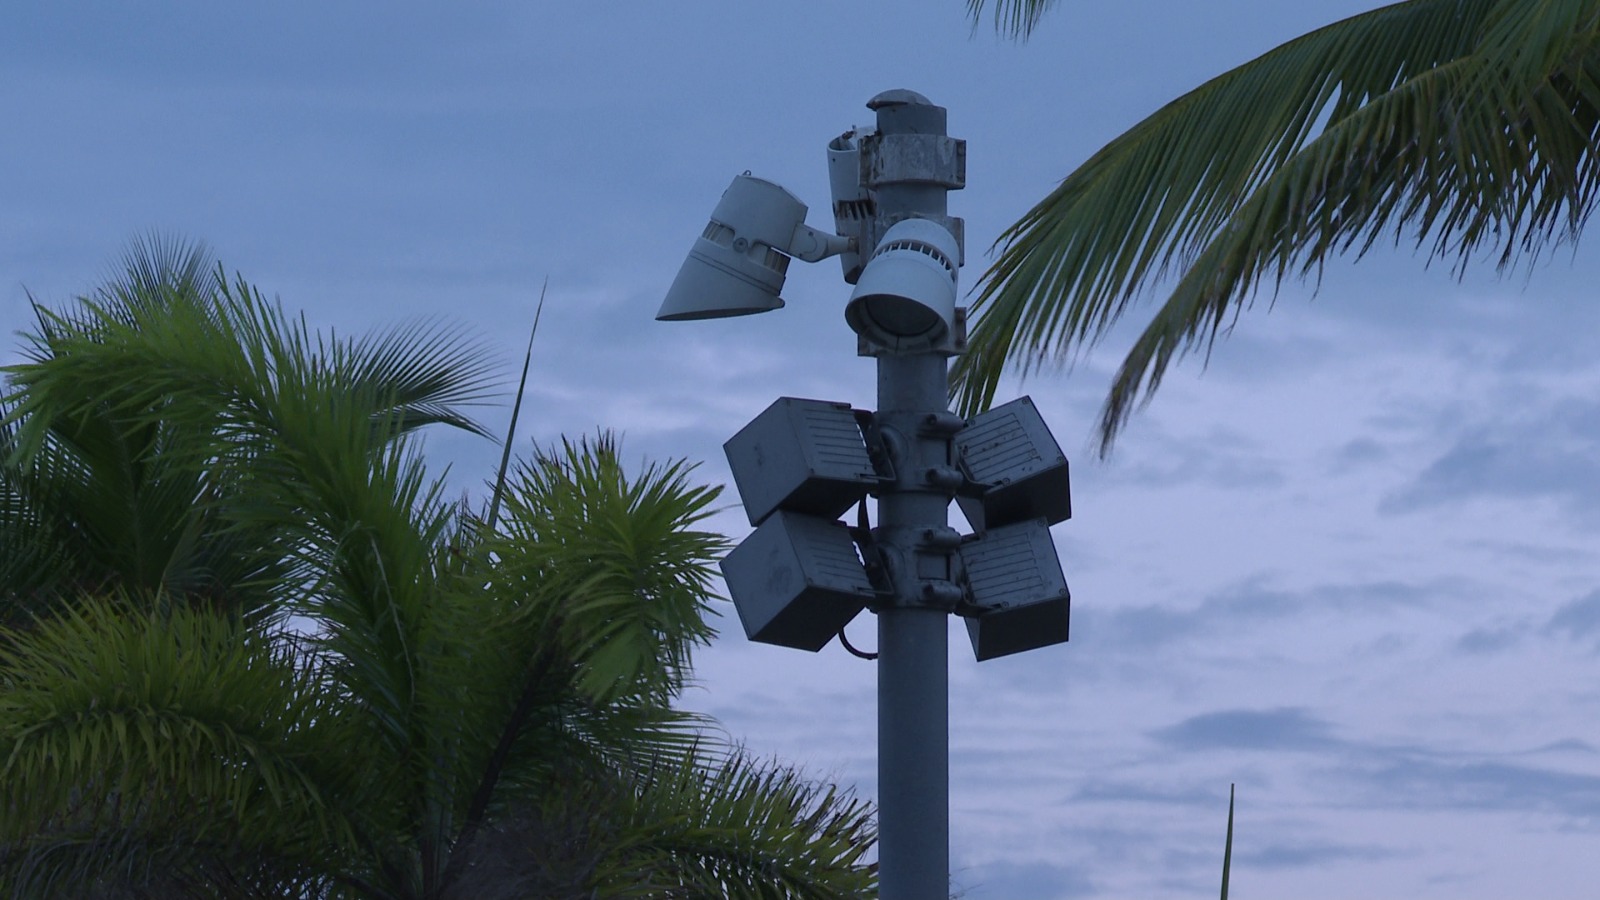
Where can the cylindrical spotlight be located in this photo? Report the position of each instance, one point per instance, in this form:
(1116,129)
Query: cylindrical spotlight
(905,299)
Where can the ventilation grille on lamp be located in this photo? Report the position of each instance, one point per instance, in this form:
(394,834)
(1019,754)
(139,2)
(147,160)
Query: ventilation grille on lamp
(925,249)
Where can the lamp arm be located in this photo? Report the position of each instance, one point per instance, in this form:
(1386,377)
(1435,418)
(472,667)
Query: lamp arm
(812,245)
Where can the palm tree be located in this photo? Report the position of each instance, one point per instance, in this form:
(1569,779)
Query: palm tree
(1468,126)
(253,652)
(122,438)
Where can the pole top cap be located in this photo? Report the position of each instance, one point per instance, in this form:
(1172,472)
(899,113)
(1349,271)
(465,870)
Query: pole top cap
(898,97)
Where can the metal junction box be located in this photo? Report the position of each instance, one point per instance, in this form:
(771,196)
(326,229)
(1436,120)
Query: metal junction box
(1018,594)
(1019,468)
(796,581)
(801,455)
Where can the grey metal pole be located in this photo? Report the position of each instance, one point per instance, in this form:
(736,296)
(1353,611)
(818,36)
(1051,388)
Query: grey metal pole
(913,676)
(913,667)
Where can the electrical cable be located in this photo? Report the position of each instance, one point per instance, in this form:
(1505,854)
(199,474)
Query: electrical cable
(863,527)
(845,642)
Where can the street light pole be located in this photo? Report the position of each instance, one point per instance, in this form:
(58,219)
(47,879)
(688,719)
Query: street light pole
(802,575)
(913,660)
(913,636)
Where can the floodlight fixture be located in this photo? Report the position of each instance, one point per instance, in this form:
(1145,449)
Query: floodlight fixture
(1016,470)
(1017,598)
(738,264)
(905,299)
(801,576)
(853,204)
(806,456)
(796,581)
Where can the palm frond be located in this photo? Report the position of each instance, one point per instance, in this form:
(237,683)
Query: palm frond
(119,477)
(612,564)
(177,393)
(596,592)
(159,406)
(156,266)
(1012,18)
(1467,124)
(38,557)
(739,829)
(686,824)
(125,733)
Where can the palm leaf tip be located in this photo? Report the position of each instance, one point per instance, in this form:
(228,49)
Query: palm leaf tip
(1014,19)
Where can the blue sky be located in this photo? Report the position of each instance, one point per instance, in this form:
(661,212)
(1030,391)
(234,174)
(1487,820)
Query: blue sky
(1350,564)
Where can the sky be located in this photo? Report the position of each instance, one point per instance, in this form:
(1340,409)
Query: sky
(1348,563)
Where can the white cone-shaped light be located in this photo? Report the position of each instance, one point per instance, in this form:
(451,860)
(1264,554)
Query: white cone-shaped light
(905,299)
(737,265)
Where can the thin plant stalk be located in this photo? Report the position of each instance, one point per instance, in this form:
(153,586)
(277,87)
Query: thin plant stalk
(516,411)
(1227,847)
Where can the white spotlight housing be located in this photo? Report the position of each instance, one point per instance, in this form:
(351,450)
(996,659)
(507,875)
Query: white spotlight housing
(737,265)
(905,300)
(853,206)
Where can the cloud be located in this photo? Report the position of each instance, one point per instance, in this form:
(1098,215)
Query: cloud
(1578,620)
(1221,457)
(1376,774)
(1247,604)
(1105,791)
(1304,855)
(1034,880)
(1426,781)
(1567,745)
(1525,551)
(1359,452)
(1286,728)
(1484,641)
(1547,452)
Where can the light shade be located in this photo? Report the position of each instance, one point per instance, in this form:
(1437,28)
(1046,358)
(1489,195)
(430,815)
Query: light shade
(796,581)
(738,264)
(905,299)
(710,286)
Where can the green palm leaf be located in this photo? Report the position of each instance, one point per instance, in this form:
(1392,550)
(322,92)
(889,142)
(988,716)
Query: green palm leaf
(686,825)
(738,829)
(150,418)
(614,564)
(126,736)
(1465,124)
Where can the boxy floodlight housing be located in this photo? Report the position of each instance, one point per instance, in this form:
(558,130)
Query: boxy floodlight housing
(905,299)
(1017,596)
(805,456)
(738,263)
(1017,470)
(796,581)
